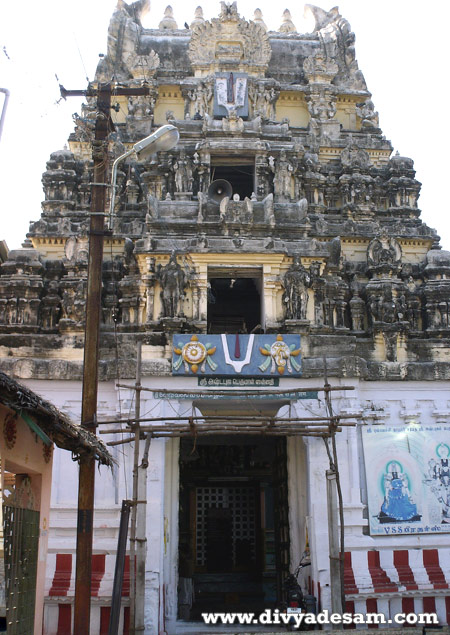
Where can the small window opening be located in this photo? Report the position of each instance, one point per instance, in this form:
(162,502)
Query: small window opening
(241,178)
(234,305)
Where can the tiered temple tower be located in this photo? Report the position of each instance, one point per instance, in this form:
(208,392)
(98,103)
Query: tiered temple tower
(281,211)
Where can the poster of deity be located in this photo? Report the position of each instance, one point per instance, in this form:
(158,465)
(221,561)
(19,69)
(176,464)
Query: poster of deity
(408,478)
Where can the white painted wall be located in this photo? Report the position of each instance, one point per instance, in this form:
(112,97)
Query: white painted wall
(392,402)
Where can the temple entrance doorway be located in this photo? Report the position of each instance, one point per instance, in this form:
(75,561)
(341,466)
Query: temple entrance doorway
(234,530)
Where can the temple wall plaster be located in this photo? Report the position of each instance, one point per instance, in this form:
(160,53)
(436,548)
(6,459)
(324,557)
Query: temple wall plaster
(414,251)
(346,113)
(375,402)
(293,106)
(169,98)
(53,248)
(64,353)
(355,250)
(379,158)
(49,248)
(441,354)
(81,150)
(298,496)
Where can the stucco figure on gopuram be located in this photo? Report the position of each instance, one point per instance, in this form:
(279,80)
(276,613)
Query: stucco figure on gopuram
(281,213)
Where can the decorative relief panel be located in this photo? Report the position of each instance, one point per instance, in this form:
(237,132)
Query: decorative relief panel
(229,42)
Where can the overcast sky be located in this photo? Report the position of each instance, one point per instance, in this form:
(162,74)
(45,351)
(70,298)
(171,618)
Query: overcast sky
(401,47)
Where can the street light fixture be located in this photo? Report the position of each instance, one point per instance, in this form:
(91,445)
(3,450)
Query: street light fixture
(163,139)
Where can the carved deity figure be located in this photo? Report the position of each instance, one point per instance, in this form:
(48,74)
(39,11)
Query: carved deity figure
(334,247)
(141,106)
(384,251)
(388,312)
(322,109)
(413,311)
(173,280)
(283,174)
(369,117)
(384,307)
(320,67)
(296,282)
(76,249)
(357,309)
(3,303)
(67,303)
(233,123)
(201,97)
(11,311)
(182,168)
(50,306)
(263,100)
(201,173)
(21,317)
(79,302)
(352,156)
(228,11)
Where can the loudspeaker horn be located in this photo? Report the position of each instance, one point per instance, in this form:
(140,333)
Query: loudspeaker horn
(219,189)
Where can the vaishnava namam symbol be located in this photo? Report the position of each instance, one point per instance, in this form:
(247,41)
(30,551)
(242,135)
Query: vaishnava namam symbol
(194,354)
(280,356)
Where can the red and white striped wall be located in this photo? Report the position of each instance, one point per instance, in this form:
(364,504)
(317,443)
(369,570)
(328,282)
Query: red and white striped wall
(399,581)
(376,581)
(58,611)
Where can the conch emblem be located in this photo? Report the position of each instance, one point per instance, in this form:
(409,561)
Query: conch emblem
(280,356)
(195,355)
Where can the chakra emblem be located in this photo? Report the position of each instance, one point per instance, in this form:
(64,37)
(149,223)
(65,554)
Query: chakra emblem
(194,355)
(280,356)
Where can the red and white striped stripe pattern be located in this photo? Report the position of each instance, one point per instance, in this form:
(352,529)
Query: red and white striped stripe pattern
(58,619)
(395,605)
(385,581)
(397,571)
(60,593)
(61,575)
(399,581)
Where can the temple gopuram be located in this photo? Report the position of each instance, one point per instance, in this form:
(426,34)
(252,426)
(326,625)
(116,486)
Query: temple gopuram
(288,312)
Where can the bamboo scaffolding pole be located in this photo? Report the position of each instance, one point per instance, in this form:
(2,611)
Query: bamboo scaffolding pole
(198,431)
(239,391)
(194,425)
(130,420)
(215,426)
(263,431)
(226,432)
(186,433)
(121,442)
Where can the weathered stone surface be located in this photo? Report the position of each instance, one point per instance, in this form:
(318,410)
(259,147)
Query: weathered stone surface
(322,192)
